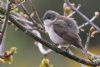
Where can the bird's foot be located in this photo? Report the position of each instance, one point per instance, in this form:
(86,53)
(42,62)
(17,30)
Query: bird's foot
(66,48)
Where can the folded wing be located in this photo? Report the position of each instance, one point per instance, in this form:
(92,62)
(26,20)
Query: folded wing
(68,31)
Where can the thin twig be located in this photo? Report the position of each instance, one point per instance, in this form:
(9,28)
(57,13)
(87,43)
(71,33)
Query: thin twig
(21,18)
(40,27)
(87,41)
(82,15)
(27,23)
(36,13)
(71,14)
(85,24)
(35,23)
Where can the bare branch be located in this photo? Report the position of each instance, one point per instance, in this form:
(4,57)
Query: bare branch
(85,24)
(3,30)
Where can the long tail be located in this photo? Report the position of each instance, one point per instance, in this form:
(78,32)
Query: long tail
(86,53)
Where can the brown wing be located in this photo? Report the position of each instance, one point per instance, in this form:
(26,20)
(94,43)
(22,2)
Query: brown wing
(71,23)
(63,29)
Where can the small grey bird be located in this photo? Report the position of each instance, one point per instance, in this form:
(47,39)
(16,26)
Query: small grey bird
(62,30)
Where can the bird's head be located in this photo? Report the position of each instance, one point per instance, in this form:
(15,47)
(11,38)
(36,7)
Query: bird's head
(50,16)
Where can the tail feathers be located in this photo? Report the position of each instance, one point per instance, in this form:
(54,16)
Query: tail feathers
(85,52)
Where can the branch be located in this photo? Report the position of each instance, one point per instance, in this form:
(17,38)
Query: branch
(3,29)
(92,19)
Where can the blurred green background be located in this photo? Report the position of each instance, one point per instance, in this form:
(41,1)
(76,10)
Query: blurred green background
(29,56)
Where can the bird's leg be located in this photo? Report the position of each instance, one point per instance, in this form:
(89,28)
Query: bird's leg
(69,51)
(66,48)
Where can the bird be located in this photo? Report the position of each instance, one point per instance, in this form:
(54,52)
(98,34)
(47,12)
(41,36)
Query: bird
(62,30)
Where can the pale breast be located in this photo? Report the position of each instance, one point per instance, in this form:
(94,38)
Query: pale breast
(53,36)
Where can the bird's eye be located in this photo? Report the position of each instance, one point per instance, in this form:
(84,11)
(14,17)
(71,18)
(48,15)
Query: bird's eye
(49,17)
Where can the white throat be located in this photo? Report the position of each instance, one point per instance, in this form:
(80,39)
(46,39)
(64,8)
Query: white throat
(53,36)
(48,22)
